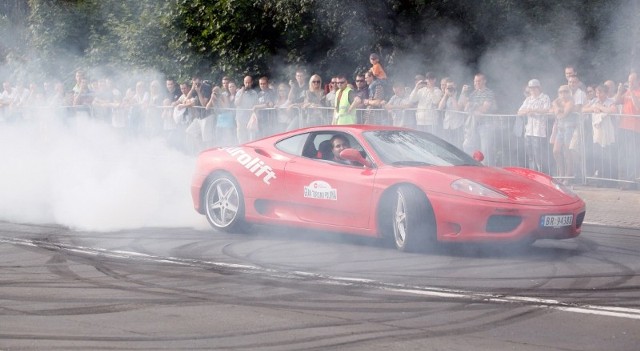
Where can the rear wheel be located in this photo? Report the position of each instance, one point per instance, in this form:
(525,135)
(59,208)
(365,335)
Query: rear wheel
(412,220)
(224,205)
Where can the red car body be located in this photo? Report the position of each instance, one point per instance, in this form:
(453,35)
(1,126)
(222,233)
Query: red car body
(286,180)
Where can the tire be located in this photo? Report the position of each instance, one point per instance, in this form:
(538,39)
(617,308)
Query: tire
(224,203)
(413,220)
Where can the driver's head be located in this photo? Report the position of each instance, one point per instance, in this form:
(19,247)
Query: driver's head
(339,143)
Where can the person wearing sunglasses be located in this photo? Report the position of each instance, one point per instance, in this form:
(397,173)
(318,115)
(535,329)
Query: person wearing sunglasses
(344,112)
(330,98)
(314,102)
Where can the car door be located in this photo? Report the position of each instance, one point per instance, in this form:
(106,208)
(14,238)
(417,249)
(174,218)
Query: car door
(329,192)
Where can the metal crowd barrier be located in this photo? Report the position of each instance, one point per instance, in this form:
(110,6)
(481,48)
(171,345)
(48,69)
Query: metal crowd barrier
(600,151)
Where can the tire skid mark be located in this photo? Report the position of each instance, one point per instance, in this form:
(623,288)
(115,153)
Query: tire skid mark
(423,291)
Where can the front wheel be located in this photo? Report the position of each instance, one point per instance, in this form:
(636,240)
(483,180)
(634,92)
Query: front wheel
(224,205)
(412,219)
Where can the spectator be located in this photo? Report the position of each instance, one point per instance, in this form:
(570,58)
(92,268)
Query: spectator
(297,91)
(376,67)
(168,123)
(441,112)
(314,102)
(361,92)
(629,96)
(345,103)
(120,121)
(173,90)
(298,87)
(136,108)
(79,76)
(22,94)
(453,122)
(6,99)
(479,129)
(233,90)
(106,101)
(201,93)
(569,72)
(601,108)
(153,117)
(399,107)
(375,101)
(56,103)
(535,108)
(583,130)
(266,118)
(47,89)
(591,93)
(246,98)
(283,105)
(222,102)
(330,98)
(563,130)
(33,103)
(224,90)
(58,97)
(427,97)
(82,98)
(611,88)
(208,125)
(182,115)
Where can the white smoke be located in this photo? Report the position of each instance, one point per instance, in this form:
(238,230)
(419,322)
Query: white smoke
(86,176)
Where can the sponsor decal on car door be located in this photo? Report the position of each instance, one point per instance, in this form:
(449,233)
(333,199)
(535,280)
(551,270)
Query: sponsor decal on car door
(330,193)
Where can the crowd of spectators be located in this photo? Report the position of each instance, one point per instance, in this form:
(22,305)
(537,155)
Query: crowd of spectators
(585,131)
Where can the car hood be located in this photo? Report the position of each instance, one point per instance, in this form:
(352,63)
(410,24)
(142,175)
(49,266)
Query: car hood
(519,188)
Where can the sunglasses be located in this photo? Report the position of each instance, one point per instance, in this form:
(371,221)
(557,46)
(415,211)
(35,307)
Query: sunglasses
(359,80)
(315,82)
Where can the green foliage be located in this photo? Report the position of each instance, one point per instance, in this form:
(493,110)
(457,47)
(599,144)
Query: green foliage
(237,37)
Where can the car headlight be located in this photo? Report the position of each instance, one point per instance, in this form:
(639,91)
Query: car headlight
(563,188)
(472,188)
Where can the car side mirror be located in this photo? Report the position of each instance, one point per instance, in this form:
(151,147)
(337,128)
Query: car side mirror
(355,156)
(478,156)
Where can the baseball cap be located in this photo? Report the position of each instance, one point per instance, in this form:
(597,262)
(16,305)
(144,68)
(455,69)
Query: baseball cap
(533,83)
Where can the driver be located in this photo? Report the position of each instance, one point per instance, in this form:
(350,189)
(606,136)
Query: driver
(339,143)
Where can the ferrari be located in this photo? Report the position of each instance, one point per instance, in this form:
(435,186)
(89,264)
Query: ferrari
(402,185)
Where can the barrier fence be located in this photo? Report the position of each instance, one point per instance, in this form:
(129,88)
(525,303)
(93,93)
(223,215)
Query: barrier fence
(591,149)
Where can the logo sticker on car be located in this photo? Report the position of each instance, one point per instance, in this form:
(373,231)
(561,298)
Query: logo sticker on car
(254,164)
(319,189)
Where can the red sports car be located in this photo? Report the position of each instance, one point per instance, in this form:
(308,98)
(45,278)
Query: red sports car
(405,185)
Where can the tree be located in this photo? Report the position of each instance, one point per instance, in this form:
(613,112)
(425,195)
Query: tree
(521,38)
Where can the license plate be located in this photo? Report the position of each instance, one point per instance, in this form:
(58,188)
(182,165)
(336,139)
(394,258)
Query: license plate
(556,220)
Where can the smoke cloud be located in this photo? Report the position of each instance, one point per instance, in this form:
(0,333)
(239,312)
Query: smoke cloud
(86,176)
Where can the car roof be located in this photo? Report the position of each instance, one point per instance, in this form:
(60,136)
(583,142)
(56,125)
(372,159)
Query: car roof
(354,129)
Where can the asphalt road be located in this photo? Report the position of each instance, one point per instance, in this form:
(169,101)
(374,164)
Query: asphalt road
(185,289)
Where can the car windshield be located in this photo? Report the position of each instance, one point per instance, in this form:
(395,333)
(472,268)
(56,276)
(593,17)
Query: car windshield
(415,148)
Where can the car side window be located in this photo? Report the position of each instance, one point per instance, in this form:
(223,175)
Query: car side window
(322,143)
(295,145)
